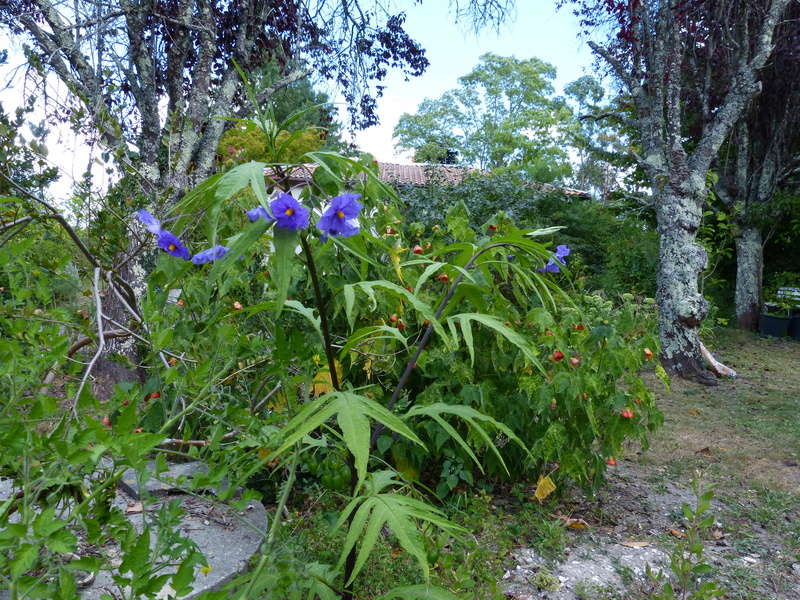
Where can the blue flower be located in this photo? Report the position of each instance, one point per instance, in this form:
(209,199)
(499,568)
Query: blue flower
(288,212)
(259,212)
(339,219)
(170,243)
(561,254)
(152,224)
(210,254)
(166,240)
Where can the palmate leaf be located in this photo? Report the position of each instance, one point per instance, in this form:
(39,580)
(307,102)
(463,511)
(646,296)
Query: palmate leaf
(368,287)
(352,412)
(418,592)
(471,417)
(373,332)
(491,322)
(401,514)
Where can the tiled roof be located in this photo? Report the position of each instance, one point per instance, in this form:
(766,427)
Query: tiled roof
(421,174)
(418,174)
(413,174)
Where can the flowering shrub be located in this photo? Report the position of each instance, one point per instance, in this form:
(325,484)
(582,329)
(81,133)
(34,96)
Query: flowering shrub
(314,337)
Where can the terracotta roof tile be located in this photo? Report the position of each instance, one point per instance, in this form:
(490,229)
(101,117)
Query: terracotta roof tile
(420,174)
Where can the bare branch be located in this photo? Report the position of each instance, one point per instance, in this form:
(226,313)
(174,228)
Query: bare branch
(101,341)
(743,87)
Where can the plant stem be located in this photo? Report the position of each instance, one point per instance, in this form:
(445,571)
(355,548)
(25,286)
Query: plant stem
(427,334)
(350,561)
(323,317)
(287,488)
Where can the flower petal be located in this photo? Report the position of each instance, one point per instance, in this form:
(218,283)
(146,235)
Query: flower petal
(209,255)
(170,244)
(152,224)
(339,218)
(259,212)
(289,213)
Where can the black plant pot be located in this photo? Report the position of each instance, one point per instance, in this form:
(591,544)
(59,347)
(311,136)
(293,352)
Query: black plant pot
(773,325)
(794,327)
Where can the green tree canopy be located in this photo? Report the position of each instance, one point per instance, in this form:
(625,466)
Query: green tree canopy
(503,114)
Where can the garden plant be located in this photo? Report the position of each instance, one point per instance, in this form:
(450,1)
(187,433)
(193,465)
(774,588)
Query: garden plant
(299,339)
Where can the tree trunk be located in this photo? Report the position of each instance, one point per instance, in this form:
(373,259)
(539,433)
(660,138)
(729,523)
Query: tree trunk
(681,305)
(749,270)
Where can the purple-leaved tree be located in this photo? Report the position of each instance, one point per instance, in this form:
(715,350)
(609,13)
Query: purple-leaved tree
(662,53)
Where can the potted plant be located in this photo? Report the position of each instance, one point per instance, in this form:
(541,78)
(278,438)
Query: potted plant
(774,320)
(783,294)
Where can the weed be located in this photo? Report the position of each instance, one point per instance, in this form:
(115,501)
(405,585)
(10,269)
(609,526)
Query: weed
(687,560)
(545,580)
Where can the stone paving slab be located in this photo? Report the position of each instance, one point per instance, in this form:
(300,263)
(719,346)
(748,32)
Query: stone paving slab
(227,537)
(162,485)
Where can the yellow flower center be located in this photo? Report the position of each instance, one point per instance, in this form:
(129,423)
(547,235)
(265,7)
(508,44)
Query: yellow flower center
(340,214)
(289,212)
(171,247)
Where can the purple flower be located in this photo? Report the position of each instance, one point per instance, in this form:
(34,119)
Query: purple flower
(259,212)
(210,255)
(561,254)
(152,224)
(170,243)
(339,219)
(288,212)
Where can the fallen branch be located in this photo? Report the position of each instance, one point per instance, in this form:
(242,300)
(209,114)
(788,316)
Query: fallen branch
(169,442)
(716,367)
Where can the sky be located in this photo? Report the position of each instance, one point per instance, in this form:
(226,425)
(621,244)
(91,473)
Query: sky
(536,29)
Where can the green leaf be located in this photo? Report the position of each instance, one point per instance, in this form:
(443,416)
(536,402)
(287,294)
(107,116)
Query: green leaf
(308,313)
(421,307)
(62,542)
(285,241)
(370,333)
(418,592)
(24,560)
(356,434)
(90,564)
(137,558)
(494,323)
(46,523)
(239,177)
(319,411)
(349,304)
(241,244)
(431,269)
(471,417)
(401,514)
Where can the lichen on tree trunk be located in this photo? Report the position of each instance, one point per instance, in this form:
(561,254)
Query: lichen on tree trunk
(681,260)
(749,271)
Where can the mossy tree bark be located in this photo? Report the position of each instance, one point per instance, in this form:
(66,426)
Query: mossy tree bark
(670,70)
(749,274)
